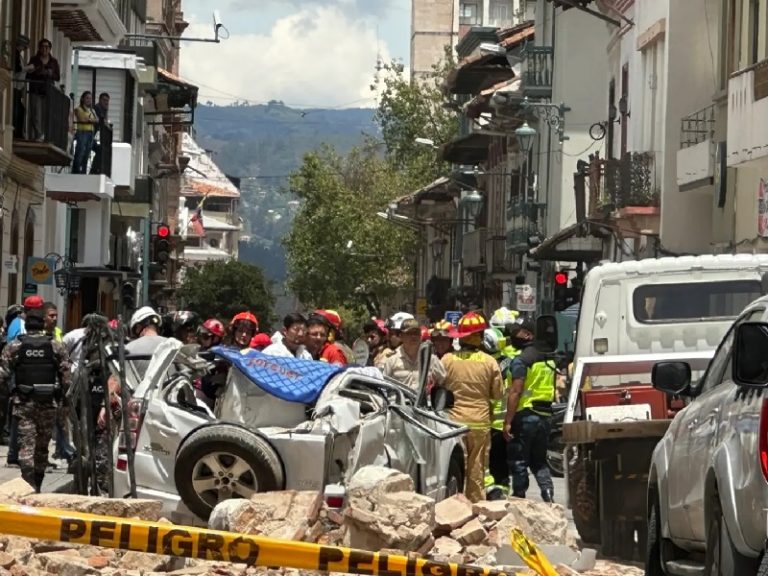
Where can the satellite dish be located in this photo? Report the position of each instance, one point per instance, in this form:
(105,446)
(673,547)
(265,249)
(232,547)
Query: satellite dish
(360,352)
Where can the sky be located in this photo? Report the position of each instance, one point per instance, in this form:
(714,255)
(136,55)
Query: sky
(306,53)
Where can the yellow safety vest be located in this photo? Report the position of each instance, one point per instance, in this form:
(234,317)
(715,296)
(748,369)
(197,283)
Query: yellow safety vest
(539,387)
(499,407)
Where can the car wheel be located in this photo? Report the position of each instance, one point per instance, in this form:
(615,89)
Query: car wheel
(653,566)
(222,462)
(722,558)
(582,480)
(455,482)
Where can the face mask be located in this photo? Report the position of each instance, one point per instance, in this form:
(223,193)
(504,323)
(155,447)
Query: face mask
(519,343)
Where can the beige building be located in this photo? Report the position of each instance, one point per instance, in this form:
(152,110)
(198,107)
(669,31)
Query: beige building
(436,24)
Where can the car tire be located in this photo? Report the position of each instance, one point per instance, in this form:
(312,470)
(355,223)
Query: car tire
(582,480)
(722,558)
(454,483)
(653,560)
(220,462)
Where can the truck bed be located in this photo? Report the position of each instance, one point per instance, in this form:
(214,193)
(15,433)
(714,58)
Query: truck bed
(584,432)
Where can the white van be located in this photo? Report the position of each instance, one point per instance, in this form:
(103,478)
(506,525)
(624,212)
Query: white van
(665,305)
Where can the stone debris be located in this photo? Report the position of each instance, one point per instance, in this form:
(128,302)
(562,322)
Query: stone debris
(382,513)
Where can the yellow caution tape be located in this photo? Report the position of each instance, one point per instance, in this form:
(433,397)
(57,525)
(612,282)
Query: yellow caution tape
(531,554)
(203,544)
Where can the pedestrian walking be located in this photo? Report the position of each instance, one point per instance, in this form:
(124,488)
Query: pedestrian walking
(41,369)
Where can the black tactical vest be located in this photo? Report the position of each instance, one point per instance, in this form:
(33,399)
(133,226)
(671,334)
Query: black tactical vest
(36,370)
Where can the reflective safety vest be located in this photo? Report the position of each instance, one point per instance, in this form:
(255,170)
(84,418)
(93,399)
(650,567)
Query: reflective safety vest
(539,391)
(499,407)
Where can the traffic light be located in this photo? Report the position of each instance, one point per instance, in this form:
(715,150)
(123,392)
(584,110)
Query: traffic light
(162,245)
(560,292)
(128,295)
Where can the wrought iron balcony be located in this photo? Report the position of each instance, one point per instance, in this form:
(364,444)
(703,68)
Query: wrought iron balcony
(619,183)
(698,127)
(537,67)
(41,125)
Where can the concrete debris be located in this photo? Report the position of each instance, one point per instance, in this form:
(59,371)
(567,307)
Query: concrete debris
(382,513)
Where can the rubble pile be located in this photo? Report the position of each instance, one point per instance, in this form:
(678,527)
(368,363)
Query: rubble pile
(383,513)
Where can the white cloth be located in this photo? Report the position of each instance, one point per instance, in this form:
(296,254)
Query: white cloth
(74,342)
(280,349)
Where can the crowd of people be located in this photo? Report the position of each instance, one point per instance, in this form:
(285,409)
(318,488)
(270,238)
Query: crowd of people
(498,374)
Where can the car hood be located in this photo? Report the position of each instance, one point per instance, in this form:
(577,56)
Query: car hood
(290,379)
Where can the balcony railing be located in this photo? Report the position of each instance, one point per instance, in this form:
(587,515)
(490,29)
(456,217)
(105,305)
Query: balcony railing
(102,159)
(619,183)
(537,71)
(698,127)
(41,127)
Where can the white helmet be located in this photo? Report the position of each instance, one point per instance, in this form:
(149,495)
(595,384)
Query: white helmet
(396,321)
(493,340)
(143,315)
(503,316)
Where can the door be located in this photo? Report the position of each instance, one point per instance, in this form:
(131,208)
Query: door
(717,394)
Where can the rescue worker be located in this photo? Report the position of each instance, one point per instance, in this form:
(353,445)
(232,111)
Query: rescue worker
(529,407)
(260,341)
(475,380)
(318,345)
(40,366)
(394,324)
(403,365)
(440,340)
(242,328)
(210,333)
(377,337)
(336,334)
(184,326)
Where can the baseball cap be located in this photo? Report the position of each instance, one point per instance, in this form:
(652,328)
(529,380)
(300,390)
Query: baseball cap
(410,325)
(33,302)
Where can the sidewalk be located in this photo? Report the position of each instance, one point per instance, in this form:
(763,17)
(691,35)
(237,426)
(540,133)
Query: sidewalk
(56,480)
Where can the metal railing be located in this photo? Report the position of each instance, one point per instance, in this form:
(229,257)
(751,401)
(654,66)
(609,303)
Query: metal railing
(102,159)
(41,113)
(537,70)
(698,127)
(618,183)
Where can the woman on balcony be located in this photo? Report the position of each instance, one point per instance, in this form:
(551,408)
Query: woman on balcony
(85,124)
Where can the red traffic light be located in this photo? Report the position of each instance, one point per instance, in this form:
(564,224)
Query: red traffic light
(561,278)
(163,231)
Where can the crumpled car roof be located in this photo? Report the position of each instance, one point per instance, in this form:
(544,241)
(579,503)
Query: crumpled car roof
(290,379)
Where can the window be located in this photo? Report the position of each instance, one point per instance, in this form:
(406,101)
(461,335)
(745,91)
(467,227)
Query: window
(500,13)
(693,302)
(76,250)
(469,14)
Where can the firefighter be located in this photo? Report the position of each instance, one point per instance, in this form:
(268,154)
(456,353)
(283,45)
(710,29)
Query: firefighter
(475,380)
(529,407)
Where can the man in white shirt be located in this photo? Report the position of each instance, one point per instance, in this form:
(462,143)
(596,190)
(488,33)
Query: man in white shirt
(294,334)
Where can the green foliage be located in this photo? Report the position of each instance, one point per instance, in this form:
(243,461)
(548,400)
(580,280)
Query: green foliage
(222,289)
(409,110)
(340,197)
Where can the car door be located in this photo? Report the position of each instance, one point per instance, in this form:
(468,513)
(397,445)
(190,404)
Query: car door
(715,394)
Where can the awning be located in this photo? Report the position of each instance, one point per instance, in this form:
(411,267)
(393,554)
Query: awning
(509,89)
(567,246)
(477,73)
(517,35)
(469,150)
(205,254)
(441,190)
(217,225)
(175,99)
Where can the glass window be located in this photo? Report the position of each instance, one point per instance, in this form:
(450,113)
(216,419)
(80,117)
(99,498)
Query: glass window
(694,301)
(469,13)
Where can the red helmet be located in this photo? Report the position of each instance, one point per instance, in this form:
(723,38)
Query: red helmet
(470,323)
(213,326)
(424,333)
(332,317)
(260,341)
(113,324)
(245,317)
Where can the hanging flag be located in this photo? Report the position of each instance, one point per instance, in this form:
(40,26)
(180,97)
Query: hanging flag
(196,221)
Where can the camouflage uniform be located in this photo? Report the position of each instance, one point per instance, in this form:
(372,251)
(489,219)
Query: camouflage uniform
(36,415)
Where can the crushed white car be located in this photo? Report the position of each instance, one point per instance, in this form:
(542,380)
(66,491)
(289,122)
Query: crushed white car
(279,423)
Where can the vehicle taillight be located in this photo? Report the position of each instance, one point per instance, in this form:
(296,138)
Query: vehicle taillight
(135,420)
(122,463)
(764,439)
(335,495)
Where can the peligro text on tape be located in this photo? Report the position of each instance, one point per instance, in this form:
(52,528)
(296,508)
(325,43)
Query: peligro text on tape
(204,544)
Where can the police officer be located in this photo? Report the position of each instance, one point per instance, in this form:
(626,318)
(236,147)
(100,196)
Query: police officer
(41,369)
(529,407)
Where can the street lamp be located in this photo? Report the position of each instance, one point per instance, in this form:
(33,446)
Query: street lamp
(552,114)
(525,135)
(438,248)
(66,278)
(473,203)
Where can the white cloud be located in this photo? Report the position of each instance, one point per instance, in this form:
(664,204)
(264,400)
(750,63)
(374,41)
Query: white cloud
(316,56)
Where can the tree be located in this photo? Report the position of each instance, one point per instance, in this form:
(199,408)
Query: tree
(222,289)
(338,250)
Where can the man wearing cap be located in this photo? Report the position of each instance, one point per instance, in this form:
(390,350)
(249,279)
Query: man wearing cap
(475,380)
(17,327)
(529,407)
(403,364)
(40,366)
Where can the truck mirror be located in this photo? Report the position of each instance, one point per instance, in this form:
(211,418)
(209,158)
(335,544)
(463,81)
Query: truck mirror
(672,377)
(750,364)
(546,331)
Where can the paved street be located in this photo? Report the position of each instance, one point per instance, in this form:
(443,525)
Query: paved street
(56,480)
